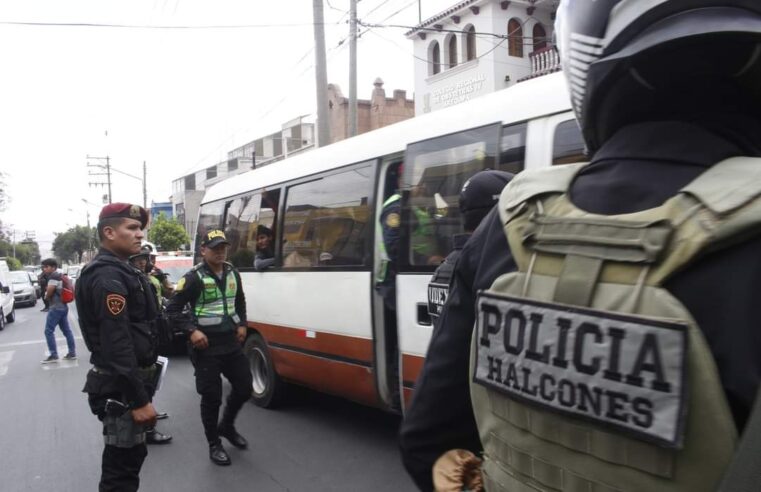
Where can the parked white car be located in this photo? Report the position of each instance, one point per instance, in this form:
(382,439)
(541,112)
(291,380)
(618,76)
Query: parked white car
(23,288)
(7,302)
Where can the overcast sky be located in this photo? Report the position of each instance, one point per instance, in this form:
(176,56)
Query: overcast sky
(177,98)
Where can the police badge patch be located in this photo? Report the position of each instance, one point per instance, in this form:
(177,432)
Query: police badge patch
(619,370)
(392,220)
(115,304)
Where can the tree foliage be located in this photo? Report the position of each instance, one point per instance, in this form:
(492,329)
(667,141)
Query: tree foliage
(13,264)
(167,234)
(70,245)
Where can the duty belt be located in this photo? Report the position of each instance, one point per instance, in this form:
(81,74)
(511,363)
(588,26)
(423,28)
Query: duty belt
(113,440)
(143,370)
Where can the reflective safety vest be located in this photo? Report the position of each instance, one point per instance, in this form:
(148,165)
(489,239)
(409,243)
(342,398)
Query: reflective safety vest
(384,258)
(157,286)
(214,307)
(586,374)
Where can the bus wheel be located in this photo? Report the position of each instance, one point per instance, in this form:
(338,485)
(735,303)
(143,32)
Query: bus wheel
(267,388)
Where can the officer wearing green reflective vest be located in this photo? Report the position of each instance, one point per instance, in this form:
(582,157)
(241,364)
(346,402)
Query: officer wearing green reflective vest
(216,323)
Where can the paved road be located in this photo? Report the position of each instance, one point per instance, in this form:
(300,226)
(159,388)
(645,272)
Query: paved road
(50,441)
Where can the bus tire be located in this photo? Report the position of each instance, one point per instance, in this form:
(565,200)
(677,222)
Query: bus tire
(267,388)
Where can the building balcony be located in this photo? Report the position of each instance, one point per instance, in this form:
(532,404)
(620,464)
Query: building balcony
(543,61)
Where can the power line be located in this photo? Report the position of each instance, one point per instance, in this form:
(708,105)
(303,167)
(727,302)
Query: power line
(147,26)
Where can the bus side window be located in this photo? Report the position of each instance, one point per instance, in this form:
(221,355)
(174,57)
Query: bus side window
(210,217)
(327,221)
(240,229)
(568,145)
(512,148)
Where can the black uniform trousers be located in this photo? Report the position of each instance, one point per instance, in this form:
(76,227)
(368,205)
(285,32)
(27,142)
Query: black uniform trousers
(208,369)
(120,468)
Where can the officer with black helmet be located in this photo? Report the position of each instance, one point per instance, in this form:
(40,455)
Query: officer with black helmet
(478,196)
(141,262)
(216,324)
(667,97)
(116,310)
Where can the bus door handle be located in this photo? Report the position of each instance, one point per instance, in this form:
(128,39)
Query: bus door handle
(423,318)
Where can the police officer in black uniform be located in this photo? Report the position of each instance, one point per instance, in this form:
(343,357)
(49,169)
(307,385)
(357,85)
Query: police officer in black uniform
(676,92)
(116,310)
(478,195)
(216,323)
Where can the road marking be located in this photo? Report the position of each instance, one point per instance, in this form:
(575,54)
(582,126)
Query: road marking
(5,360)
(34,342)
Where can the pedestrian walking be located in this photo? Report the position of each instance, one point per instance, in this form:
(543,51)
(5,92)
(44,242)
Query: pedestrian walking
(58,313)
(216,323)
(117,309)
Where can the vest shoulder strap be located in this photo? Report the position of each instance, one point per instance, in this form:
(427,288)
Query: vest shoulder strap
(527,185)
(728,185)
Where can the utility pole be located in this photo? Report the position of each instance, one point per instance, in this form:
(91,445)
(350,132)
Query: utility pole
(353,68)
(107,168)
(145,189)
(321,74)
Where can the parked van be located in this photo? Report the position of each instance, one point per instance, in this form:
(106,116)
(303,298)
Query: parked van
(7,303)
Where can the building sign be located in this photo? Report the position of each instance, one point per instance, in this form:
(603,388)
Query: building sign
(461,91)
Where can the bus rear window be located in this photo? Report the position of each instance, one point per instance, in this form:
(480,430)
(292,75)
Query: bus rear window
(209,218)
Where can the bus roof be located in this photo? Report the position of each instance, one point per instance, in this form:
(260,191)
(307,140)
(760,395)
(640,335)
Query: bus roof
(544,95)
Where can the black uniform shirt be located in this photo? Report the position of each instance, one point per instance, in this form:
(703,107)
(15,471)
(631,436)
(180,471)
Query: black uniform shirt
(638,168)
(117,309)
(188,291)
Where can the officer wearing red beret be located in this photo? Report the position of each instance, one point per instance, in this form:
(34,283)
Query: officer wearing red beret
(116,314)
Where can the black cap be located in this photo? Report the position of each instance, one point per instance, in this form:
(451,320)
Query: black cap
(214,238)
(126,211)
(479,194)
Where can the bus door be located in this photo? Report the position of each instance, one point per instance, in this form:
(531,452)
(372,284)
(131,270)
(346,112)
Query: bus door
(434,173)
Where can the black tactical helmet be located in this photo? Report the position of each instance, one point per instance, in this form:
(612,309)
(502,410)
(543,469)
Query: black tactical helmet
(640,60)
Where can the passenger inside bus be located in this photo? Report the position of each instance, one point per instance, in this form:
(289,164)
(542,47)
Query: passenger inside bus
(265,255)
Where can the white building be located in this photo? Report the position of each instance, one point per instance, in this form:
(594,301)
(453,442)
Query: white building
(481,46)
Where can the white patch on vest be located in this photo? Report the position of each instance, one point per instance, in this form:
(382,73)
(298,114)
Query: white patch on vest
(437,296)
(619,370)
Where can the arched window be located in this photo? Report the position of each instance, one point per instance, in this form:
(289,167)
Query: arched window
(540,37)
(434,57)
(452,51)
(469,48)
(515,38)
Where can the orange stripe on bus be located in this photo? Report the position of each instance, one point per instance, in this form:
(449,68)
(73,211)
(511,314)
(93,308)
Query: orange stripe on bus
(360,349)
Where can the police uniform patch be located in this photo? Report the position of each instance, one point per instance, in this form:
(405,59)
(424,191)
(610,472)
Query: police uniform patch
(622,371)
(115,303)
(437,296)
(180,285)
(392,220)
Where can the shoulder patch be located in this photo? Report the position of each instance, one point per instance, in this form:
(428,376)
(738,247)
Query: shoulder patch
(392,220)
(180,285)
(115,304)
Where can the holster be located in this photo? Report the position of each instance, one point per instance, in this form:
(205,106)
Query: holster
(122,431)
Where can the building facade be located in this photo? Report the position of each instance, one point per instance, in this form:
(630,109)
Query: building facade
(297,135)
(377,112)
(480,46)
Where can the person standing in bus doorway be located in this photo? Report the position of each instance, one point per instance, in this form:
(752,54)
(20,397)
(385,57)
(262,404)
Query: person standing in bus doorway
(141,263)
(478,196)
(116,311)
(668,101)
(216,323)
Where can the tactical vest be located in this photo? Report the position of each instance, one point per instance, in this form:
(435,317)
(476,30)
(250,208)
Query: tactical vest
(586,373)
(438,287)
(213,307)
